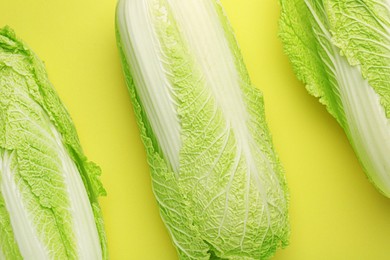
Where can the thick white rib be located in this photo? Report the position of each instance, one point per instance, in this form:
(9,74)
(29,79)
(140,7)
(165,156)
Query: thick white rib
(199,23)
(84,226)
(368,126)
(143,55)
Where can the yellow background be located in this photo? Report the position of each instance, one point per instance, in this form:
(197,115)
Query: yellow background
(335,212)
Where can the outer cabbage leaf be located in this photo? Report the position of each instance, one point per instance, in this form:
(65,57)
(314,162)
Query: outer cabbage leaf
(340,50)
(219,184)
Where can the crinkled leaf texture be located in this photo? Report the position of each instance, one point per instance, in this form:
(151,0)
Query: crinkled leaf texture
(341,50)
(48,190)
(219,184)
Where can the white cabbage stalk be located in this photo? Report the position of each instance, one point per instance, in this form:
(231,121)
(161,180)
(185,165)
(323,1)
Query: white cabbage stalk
(219,183)
(341,51)
(48,190)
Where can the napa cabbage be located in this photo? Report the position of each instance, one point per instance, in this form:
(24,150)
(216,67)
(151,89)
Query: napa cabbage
(217,179)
